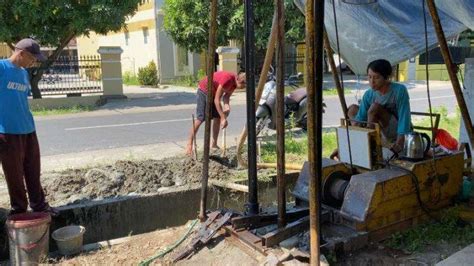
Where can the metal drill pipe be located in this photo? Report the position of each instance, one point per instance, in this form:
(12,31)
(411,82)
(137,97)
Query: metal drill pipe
(252,204)
(209,103)
(450,66)
(280,110)
(314,124)
(261,82)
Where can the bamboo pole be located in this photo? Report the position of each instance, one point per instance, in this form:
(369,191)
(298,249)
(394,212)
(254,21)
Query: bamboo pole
(280,112)
(258,94)
(451,69)
(209,104)
(335,76)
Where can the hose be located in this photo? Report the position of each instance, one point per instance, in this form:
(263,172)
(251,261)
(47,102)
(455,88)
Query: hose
(169,248)
(416,182)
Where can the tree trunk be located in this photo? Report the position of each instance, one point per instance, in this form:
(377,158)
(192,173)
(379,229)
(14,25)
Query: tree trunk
(36,75)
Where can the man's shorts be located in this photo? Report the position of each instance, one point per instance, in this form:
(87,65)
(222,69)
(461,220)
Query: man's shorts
(201,100)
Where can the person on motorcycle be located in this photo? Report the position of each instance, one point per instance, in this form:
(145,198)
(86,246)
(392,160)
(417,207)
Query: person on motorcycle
(386,103)
(224,84)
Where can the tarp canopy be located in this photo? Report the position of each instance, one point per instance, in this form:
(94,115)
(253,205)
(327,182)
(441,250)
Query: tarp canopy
(390,29)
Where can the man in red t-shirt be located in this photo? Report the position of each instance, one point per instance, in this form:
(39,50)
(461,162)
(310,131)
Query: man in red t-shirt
(224,84)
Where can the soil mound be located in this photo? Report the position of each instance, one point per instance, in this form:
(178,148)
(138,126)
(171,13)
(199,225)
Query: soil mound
(126,178)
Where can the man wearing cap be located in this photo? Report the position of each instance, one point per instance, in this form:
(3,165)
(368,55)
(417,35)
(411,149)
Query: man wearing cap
(19,148)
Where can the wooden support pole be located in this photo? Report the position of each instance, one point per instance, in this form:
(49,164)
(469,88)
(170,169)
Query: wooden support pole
(209,104)
(451,69)
(314,31)
(280,112)
(335,74)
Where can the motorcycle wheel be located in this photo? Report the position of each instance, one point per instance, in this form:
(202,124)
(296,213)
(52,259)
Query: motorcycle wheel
(260,124)
(304,123)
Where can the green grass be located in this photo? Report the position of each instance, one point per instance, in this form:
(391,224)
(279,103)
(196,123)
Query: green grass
(449,122)
(326,92)
(63,110)
(296,149)
(448,230)
(130,79)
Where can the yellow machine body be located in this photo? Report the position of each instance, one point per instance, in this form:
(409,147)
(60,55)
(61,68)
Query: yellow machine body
(383,201)
(388,197)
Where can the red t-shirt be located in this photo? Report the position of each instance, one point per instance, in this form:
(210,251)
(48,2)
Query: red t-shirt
(224,78)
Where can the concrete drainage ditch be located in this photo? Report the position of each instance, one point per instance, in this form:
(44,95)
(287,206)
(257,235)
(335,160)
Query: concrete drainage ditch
(131,215)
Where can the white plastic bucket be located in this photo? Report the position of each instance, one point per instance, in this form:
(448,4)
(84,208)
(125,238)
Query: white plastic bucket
(69,239)
(28,235)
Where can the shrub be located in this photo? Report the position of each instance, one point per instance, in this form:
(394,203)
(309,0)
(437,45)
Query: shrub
(130,79)
(148,76)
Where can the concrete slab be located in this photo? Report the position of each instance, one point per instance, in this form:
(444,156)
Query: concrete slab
(460,258)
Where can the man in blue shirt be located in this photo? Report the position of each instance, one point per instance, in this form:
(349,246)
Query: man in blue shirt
(386,103)
(19,148)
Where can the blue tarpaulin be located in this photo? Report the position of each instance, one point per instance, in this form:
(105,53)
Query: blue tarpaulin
(390,29)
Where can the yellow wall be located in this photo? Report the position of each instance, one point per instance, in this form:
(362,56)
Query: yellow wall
(88,45)
(5,51)
(148,4)
(436,71)
(403,71)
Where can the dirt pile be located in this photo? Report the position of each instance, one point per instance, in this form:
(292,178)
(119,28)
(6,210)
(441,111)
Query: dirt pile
(126,178)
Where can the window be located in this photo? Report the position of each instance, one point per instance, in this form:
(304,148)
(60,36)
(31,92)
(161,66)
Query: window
(182,61)
(145,35)
(127,37)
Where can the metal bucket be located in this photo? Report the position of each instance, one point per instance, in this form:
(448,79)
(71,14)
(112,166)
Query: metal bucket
(69,239)
(28,235)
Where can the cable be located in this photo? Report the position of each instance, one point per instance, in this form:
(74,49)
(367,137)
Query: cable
(346,116)
(169,248)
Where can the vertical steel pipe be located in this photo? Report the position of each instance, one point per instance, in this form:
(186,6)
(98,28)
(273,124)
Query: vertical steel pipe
(280,111)
(314,70)
(451,69)
(261,82)
(209,104)
(252,204)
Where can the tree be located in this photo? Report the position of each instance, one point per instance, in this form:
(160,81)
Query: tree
(55,22)
(187,22)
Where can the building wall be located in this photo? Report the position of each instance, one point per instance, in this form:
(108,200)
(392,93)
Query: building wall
(137,53)
(5,51)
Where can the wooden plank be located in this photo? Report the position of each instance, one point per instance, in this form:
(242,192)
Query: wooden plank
(291,229)
(233,186)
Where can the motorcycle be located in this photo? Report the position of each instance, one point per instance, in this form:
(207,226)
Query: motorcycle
(295,110)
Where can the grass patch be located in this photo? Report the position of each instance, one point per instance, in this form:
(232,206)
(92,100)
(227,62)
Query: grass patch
(296,149)
(449,122)
(63,110)
(448,230)
(130,79)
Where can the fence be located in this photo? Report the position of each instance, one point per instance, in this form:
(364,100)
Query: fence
(70,75)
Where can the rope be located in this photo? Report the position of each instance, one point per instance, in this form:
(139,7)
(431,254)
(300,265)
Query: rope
(169,248)
(433,134)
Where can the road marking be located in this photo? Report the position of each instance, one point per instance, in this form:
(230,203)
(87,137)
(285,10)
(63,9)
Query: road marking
(127,125)
(436,97)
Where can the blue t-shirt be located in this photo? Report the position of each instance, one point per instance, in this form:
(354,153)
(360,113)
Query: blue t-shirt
(15,114)
(396,101)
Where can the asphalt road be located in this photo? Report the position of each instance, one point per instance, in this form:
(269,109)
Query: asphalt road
(77,133)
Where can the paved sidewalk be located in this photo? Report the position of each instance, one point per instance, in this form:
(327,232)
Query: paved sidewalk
(463,257)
